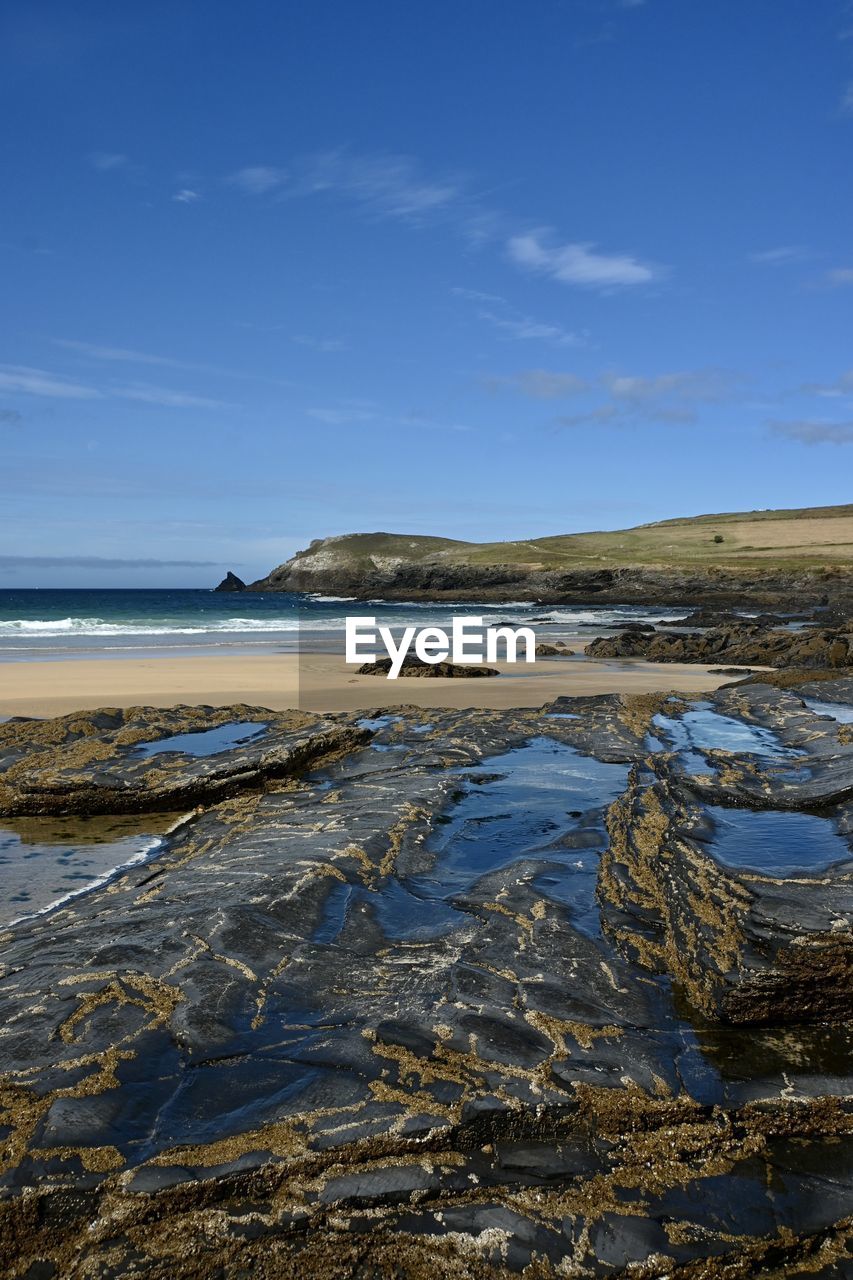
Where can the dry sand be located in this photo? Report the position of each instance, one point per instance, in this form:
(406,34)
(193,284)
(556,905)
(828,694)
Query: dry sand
(316,682)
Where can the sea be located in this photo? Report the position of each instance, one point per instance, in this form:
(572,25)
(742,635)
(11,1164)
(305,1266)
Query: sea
(45,624)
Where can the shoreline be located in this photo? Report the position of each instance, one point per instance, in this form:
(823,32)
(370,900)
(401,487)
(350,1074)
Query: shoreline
(319,682)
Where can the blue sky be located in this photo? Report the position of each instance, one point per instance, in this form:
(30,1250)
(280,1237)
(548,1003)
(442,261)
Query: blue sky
(487,269)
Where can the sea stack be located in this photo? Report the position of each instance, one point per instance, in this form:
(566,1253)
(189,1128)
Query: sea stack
(231,583)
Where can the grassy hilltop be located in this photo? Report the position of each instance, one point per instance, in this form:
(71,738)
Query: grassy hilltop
(803,538)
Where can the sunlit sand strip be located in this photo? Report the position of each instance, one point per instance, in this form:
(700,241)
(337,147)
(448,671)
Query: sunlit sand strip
(317,682)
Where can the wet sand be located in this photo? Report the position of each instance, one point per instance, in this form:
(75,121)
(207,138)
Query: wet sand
(317,682)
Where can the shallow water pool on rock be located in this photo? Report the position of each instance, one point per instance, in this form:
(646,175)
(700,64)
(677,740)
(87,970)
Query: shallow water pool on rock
(704,729)
(543,801)
(839,711)
(46,861)
(205,742)
(775,842)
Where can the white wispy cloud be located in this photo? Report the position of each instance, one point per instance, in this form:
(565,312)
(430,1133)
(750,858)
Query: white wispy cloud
(126,355)
(784,255)
(513,324)
(476,295)
(393,186)
(38,382)
(258,179)
(692,384)
(342,416)
(98,562)
(423,422)
(668,398)
(106,160)
(578,263)
(526,329)
(540,384)
(847,99)
(839,277)
(186,195)
(842,386)
(813,431)
(318,344)
(121,355)
(348,412)
(389,186)
(168,398)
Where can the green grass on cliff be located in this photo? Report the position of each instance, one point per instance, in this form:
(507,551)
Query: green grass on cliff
(808,537)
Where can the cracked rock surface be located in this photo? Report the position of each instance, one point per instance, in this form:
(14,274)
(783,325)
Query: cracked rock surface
(462,993)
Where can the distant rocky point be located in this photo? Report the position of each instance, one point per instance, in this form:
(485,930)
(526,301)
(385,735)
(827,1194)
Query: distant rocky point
(231,583)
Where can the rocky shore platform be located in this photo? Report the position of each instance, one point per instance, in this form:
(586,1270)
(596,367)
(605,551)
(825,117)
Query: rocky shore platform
(546,993)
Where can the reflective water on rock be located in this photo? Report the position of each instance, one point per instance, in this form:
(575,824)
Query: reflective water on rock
(207,742)
(705,730)
(774,842)
(375,723)
(45,861)
(545,801)
(839,711)
(402,916)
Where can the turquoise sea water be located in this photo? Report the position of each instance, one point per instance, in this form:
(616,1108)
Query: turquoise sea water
(38,624)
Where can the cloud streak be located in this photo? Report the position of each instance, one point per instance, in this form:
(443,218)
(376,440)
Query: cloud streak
(258,180)
(125,355)
(540,384)
(671,399)
(395,187)
(839,277)
(98,562)
(813,431)
(578,263)
(782,256)
(319,344)
(39,382)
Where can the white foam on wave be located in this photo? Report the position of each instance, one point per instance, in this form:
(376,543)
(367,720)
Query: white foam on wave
(99,627)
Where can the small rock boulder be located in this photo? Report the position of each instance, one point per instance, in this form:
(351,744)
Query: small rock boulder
(414,666)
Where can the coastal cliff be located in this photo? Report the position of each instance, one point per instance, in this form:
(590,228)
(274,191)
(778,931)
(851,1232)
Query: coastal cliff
(772,558)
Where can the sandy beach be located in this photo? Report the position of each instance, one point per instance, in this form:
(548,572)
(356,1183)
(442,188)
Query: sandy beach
(316,682)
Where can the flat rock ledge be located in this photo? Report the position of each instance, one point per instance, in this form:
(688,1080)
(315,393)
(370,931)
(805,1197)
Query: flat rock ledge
(465,994)
(92,762)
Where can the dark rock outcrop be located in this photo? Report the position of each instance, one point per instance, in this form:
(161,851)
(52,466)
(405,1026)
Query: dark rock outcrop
(743,643)
(415,666)
(231,583)
(559,649)
(628,585)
